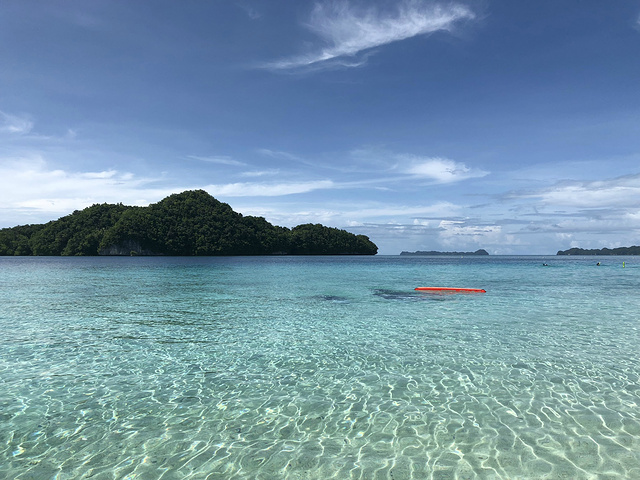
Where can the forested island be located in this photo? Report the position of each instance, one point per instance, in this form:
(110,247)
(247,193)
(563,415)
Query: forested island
(435,253)
(635,250)
(188,223)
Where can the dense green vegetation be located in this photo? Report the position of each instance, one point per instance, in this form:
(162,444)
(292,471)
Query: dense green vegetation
(635,250)
(189,223)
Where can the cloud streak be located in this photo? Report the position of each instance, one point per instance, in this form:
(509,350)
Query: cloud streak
(354,215)
(617,192)
(350,32)
(14,124)
(218,159)
(250,189)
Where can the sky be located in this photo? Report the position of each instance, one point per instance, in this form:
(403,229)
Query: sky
(425,125)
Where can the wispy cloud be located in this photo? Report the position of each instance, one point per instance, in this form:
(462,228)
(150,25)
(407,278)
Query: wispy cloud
(251,12)
(282,155)
(278,154)
(411,167)
(355,214)
(351,31)
(250,189)
(403,211)
(219,159)
(260,173)
(617,192)
(289,157)
(440,170)
(14,124)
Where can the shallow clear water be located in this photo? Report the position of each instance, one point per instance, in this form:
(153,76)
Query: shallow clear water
(319,368)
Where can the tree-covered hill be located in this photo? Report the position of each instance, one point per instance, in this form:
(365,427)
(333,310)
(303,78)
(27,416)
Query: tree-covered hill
(188,223)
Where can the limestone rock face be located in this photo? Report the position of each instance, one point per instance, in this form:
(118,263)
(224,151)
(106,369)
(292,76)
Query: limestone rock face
(126,248)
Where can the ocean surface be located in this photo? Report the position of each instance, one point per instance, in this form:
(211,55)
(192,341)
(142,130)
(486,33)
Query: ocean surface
(319,368)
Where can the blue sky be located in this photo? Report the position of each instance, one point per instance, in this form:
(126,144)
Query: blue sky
(505,125)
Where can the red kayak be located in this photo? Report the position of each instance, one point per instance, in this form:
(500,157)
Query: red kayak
(450,290)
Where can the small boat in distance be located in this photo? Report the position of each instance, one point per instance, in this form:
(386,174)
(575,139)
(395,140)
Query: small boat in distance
(450,290)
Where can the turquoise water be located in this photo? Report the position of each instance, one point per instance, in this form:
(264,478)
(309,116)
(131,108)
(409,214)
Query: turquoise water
(319,368)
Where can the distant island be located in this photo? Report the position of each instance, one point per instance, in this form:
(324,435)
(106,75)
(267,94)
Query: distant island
(184,224)
(435,253)
(635,250)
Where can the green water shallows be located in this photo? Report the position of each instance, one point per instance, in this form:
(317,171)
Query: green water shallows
(319,368)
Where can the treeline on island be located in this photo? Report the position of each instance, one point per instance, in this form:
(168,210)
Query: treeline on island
(188,223)
(635,250)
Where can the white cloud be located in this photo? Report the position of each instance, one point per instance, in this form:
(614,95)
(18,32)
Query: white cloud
(441,170)
(618,192)
(30,184)
(348,30)
(460,233)
(30,189)
(102,175)
(267,189)
(610,225)
(410,167)
(338,214)
(14,124)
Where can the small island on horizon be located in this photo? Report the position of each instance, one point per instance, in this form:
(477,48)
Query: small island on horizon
(191,223)
(436,253)
(634,250)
